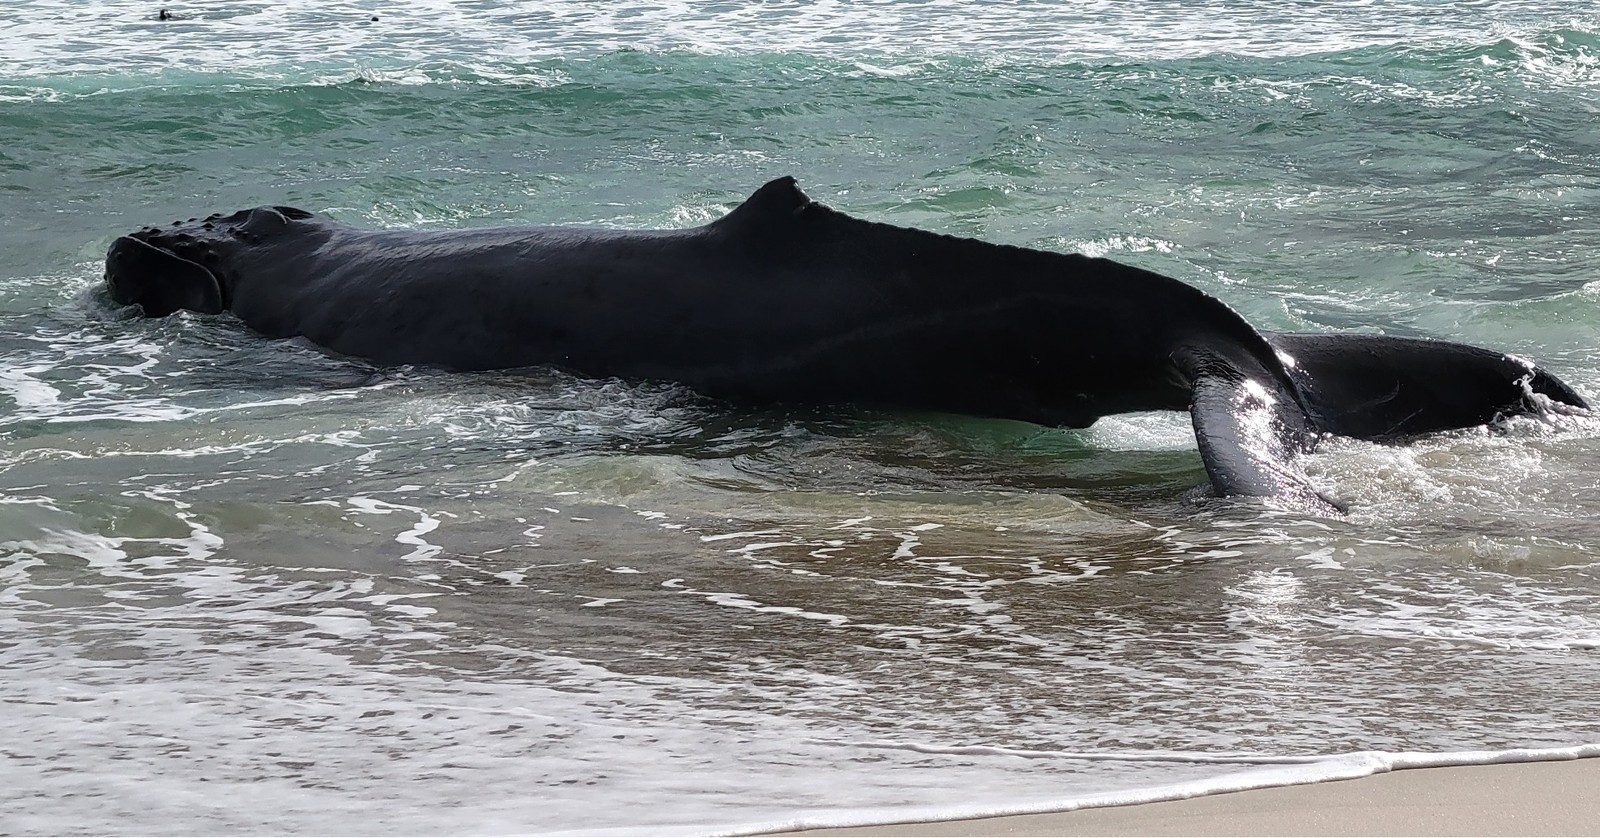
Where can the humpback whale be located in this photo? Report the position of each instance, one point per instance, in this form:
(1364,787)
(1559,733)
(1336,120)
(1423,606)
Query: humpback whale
(786,300)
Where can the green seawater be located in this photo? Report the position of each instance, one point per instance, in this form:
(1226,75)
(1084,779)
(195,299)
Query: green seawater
(249,586)
(1438,188)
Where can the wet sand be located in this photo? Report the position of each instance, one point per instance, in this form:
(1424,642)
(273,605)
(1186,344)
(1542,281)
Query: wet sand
(1533,798)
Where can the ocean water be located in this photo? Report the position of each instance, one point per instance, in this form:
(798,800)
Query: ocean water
(250,587)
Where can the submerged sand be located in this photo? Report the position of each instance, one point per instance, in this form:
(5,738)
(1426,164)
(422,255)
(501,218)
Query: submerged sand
(1533,798)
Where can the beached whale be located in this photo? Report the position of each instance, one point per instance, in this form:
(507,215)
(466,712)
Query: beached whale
(786,300)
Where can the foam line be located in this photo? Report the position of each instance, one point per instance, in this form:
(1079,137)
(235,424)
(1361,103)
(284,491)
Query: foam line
(1284,772)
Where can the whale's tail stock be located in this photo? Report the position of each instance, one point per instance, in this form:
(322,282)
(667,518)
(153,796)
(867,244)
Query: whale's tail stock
(1382,388)
(1369,387)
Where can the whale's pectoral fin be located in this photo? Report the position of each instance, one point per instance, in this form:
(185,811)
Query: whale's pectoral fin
(1250,434)
(160,281)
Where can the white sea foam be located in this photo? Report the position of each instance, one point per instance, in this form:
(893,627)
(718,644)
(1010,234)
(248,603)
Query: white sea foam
(53,37)
(403,600)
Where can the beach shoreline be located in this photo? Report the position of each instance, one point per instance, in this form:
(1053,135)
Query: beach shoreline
(1553,797)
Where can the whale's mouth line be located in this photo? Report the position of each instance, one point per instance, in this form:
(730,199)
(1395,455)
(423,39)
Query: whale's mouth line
(159,280)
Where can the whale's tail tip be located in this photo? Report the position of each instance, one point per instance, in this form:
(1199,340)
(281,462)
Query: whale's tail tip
(1548,395)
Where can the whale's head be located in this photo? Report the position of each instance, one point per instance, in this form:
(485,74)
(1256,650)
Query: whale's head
(190,264)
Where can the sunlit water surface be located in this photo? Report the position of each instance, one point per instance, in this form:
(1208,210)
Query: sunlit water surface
(249,587)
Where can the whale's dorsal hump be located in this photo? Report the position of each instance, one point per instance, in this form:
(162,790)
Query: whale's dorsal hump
(776,202)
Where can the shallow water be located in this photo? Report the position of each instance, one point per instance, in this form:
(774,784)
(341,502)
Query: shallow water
(250,587)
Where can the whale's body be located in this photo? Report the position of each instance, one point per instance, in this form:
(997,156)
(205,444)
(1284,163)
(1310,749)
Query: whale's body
(786,300)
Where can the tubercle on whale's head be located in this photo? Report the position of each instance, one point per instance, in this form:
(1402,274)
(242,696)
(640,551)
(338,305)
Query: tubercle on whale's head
(186,265)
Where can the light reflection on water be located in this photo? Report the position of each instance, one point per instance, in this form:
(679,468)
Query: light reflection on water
(486,603)
(49,35)
(246,586)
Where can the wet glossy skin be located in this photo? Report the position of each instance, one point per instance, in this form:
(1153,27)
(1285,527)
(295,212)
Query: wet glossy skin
(785,300)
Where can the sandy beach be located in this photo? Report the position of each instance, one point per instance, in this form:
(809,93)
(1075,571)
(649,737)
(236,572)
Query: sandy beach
(1537,798)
